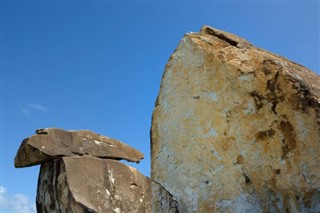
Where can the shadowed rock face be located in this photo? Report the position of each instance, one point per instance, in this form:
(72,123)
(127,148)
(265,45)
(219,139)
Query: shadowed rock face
(80,173)
(48,144)
(236,128)
(164,201)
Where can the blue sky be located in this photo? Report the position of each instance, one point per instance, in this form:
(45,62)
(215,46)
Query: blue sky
(97,65)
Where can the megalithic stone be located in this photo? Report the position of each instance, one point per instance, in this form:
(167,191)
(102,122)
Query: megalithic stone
(236,128)
(51,143)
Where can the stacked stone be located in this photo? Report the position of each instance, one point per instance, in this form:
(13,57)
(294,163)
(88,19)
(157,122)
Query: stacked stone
(80,172)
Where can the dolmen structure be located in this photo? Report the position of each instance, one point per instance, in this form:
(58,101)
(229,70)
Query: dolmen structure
(235,129)
(80,172)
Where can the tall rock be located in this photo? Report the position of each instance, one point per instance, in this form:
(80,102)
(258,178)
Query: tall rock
(236,128)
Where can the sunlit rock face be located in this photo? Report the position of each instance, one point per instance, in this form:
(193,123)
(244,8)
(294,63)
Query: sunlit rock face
(236,128)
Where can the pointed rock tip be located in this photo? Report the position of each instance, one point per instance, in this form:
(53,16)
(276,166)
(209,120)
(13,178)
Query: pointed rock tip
(230,38)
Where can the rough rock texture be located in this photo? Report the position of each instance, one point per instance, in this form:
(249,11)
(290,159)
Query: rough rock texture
(236,128)
(87,184)
(51,143)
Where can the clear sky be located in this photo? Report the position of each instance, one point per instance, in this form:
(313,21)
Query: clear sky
(97,65)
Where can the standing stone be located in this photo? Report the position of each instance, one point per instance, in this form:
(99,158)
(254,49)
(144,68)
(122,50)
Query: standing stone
(236,128)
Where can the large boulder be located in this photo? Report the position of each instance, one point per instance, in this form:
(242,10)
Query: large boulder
(50,143)
(236,128)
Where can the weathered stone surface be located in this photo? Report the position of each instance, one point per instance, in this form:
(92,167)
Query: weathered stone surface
(87,184)
(51,143)
(236,128)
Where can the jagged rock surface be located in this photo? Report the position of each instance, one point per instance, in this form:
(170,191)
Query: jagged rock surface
(48,144)
(236,128)
(87,184)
